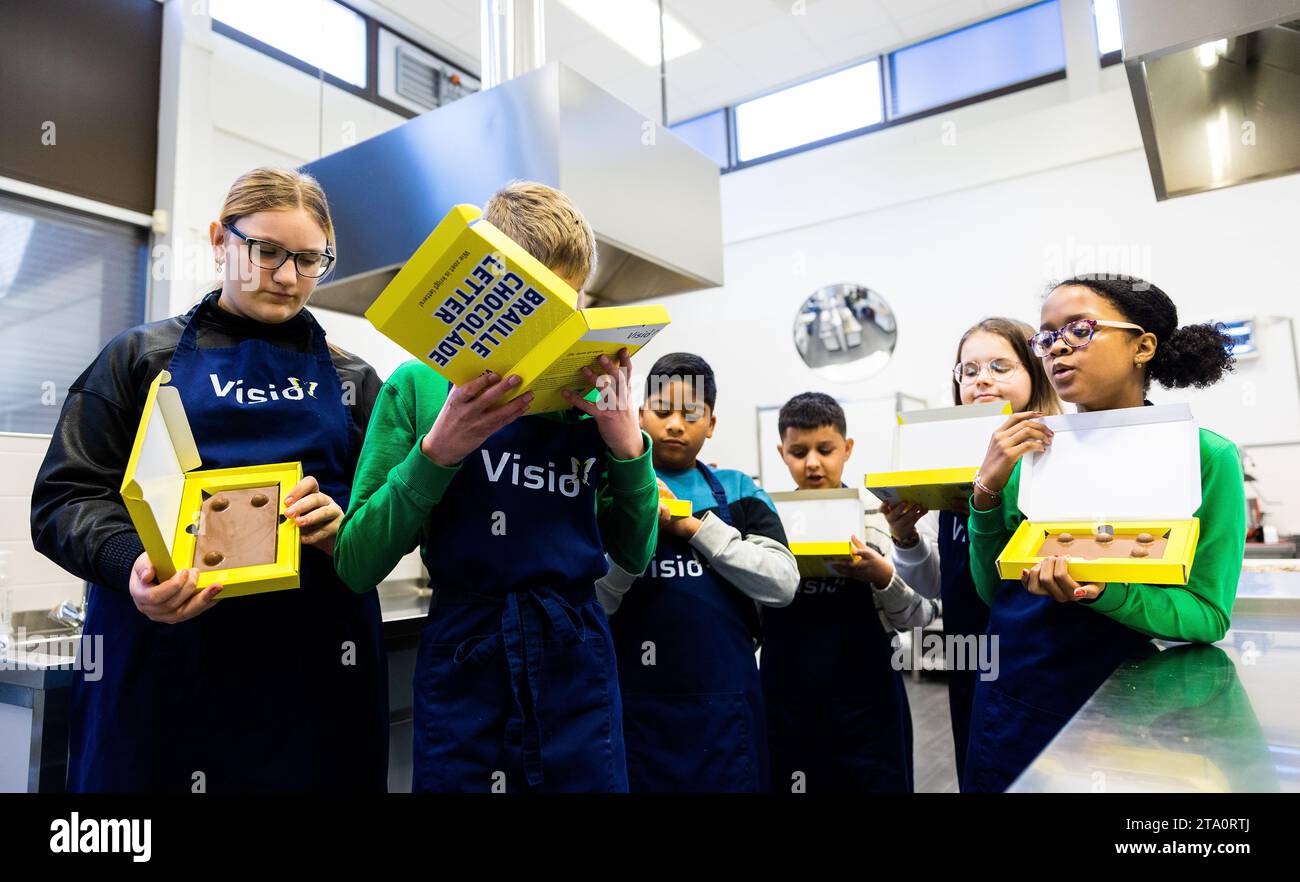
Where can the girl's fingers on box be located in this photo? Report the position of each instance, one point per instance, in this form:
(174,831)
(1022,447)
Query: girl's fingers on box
(302,488)
(1022,416)
(1088,591)
(307,504)
(1058,572)
(188,590)
(200,602)
(163,593)
(1032,584)
(1026,432)
(1063,577)
(312,520)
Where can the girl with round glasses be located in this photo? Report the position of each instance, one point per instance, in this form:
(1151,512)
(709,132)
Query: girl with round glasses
(1102,342)
(932,549)
(279,691)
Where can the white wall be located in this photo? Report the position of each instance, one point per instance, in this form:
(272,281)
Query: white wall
(27,578)
(1025,189)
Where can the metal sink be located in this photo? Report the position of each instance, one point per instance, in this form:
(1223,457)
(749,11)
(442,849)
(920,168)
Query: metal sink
(36,632)
(38,623)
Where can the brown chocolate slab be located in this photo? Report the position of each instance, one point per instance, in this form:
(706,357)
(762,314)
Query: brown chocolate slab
(1086,546)
(235,530)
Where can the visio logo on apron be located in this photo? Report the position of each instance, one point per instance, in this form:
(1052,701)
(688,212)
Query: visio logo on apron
(534,477)
(675,567)
(292,392)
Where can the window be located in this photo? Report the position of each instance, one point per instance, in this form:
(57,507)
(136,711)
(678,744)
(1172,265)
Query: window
(994,54)
(322,33)
(846,101)
(68,284)
(1105,15)
(707,134)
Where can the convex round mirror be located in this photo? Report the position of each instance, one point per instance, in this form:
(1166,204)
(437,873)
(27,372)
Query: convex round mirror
(845,332)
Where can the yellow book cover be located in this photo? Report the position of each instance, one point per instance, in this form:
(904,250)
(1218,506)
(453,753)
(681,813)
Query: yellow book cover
(471,300)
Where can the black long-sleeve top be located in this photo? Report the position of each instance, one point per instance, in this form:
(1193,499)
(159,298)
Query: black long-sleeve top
(78,518)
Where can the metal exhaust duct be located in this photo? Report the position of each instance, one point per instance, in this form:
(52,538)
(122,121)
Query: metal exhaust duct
(653,200)
(1216,87)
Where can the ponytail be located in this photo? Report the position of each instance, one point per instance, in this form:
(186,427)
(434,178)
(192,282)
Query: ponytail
(1194,355)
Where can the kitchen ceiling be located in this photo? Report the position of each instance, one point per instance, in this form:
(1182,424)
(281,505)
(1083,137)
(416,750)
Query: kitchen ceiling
(749,46)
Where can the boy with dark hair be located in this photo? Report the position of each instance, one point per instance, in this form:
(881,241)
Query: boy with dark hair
(686,631)
(838,717)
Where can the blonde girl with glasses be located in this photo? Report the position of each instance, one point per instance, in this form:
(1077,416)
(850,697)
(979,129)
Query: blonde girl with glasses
(284,691)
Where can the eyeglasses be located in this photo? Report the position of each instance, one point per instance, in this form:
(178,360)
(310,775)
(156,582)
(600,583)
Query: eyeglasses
(969,371)
(1076,335)
(268,255)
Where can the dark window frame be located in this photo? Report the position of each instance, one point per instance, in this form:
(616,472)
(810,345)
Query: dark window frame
(889,56)
(733,134)
(886,74)
(368,92)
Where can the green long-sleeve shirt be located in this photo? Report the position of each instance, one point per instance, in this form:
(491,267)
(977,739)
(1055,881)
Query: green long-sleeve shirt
(396,487)
(1199,612)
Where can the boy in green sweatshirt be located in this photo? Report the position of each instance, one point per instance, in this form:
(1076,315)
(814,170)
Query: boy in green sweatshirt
(516,518)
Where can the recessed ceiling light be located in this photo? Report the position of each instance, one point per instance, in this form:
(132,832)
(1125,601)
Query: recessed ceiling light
(634,26)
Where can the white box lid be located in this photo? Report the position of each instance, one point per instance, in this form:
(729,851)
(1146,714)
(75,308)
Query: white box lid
(830,515)
(164,451)
(1134,463)
(946,437)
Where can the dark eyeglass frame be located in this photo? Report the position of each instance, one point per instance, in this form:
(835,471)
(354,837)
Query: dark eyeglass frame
(1045,340)
(326,256)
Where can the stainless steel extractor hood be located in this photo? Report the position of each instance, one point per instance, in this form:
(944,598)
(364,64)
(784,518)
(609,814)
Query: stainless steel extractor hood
(652,199)
(1217,89)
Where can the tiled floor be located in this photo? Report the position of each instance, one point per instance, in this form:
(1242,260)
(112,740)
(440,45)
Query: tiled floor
(931,734)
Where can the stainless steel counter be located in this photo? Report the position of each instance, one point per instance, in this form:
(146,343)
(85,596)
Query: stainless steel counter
(403,601)
(1194,718)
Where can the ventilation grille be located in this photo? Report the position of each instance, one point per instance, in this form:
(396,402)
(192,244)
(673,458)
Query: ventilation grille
(417,81)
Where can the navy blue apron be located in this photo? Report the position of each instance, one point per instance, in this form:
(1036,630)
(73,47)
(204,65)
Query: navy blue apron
(516,686)
(694,719)
(837,709)
(965,616)
(285,691)
(1052,657)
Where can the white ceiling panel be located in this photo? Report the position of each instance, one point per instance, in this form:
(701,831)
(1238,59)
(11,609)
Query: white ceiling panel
(749,46)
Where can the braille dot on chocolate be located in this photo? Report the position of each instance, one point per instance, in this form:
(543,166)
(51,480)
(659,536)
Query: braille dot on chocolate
(260,500)
(212,558)
(1065,538)
(221,503)
(1105,538)
(1139,551)
(1145,538)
